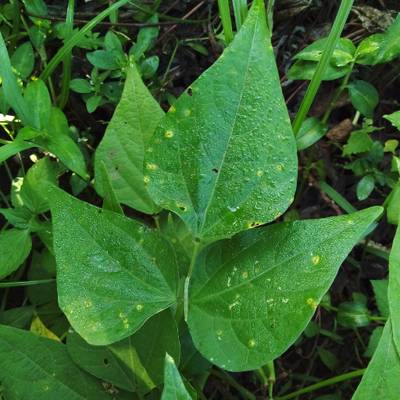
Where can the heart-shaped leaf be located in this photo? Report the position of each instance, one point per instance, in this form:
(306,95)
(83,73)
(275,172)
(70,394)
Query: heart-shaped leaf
(113,273)
(224,157)
(252,296)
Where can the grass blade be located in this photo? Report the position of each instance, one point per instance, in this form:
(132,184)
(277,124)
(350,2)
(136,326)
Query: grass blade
(315,83)
(77,37)
(225,14)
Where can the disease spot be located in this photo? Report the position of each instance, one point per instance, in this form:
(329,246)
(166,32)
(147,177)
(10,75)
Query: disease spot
(181,206)
(252,343)
(139,307)
(172,109)
(187,112)
(285,301)
(253,224)
(106,362)
(270,300)
(215,170)
(245,275)
(350,222)
(279,167)
(234,304)
(233,209)
(168,134)
(46,388)
(87,303)
(312,303)
(219,333)
(315,259)
(151,167)
(260,173)
(190,91)
(146,179)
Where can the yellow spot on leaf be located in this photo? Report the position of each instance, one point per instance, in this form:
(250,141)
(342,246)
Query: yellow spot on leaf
(168,134)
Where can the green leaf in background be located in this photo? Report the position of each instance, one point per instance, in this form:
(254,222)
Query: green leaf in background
(32,367)
(23,60)
(243,289)
(305,70)
(394,288)
(359,142)
(224,157)
(310,132)
(36,7)
(136,363)
(365,187)
(81,86)
(342,55)
(174,388)
(364,97)
(394,119)
(381,380)
(115,276)
(380,48)
(36,183)
(56,139)
(103,59)
(380,288)
(123,146)
(19,317)
(353,314)
(15,245)
(393,205)
(38,100)
(373,341)
(146,38)
(10,88)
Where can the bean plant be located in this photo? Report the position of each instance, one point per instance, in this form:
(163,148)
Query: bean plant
(205,271)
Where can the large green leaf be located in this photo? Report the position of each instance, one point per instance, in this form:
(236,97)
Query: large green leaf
(135,363)
(15,246)
(113,273)
(174,388)
(252,296)
(33,367)
(123,146)
(224,157)
(394,288)
(381,380)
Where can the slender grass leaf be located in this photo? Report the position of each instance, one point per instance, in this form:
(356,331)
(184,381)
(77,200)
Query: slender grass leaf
(381,380)
(224,158)
(11,149)
(174,388)
(243,289)
(136,363)
(15,245)
(33,367)
(123,146)
(115,276)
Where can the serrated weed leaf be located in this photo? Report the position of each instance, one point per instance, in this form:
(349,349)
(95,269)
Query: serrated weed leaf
(33,367)
(123,145)
(224,157)
(382,377)
(243,290)
(113,273)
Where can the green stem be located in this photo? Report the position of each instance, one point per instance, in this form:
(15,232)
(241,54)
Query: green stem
(77,37)
(196,250)
(67,63)
(337,95)
(25,283)
(245,394)
(316,80)
(322,384)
